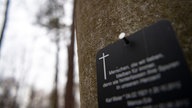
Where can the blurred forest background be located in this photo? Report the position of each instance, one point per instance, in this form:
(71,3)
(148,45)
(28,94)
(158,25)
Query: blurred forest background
(38,54)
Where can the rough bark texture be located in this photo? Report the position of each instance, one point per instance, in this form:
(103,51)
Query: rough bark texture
(99,22)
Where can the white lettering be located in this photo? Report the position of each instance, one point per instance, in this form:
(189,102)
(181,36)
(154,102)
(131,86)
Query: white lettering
(169,66)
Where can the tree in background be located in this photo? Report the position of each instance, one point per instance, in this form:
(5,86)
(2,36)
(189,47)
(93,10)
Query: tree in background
(4,22)
(49,17)
(69,95)
(38,99)
(8,96)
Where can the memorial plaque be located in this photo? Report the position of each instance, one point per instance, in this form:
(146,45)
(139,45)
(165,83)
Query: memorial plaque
(149,72)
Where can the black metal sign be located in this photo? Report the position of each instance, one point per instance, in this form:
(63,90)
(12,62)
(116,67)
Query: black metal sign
(149,72)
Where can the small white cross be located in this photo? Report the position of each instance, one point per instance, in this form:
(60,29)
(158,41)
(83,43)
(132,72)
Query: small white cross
(104,67)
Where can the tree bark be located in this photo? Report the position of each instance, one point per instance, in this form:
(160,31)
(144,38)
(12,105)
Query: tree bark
(99,22)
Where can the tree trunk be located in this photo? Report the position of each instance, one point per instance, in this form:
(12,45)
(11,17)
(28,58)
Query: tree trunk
(4,22)
(54,98)
(54,95)
(69,95)
(99,22)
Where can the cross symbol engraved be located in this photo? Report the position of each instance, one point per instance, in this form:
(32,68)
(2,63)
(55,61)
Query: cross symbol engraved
(104,67)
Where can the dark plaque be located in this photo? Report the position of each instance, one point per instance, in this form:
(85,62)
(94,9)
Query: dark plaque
(149,72)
